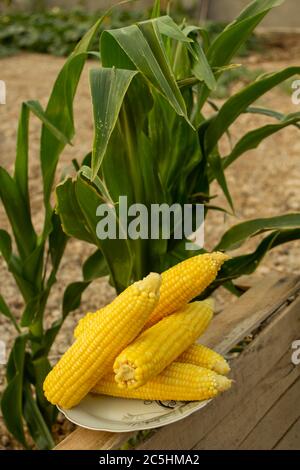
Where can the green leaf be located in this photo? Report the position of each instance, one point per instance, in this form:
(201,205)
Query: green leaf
(19,216)
(37,109)
(254,138)
(239,102)
(201,68)
(4,309)
(35,421)
(94,267)
(239,233)
(247,264)
(140,47)
(59,110)
(216,167)
(11,401)
(168,27)
(229,41)
(41,368)
(21,162)
(5,245)
(116,252)
(69,211)
(57,241)
(72,296)
(156,9)
(108,88)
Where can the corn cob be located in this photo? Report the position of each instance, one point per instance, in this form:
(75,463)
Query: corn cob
(180,285)
(184,382)
(93,353)
(161,344)
(202,356)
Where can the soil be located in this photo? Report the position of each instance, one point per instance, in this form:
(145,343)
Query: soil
(265,182)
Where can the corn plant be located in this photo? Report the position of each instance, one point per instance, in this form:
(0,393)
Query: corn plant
(154,144)
(33,259)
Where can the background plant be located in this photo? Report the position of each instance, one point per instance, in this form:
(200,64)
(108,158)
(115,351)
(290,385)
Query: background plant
(150,122)
(57,31)
(148,97)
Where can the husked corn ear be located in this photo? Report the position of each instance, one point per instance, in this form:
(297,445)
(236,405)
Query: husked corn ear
(161,344)
(202,356)
(180,284)
(183,382)
(184,281)
(93,353)
(87,321)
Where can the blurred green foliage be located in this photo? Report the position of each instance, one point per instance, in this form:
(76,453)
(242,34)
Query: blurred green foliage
(57,31)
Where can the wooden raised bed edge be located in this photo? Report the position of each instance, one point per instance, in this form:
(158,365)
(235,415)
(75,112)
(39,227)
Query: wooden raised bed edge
(262,410)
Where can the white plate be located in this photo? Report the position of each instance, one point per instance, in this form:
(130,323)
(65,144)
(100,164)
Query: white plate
(103,413)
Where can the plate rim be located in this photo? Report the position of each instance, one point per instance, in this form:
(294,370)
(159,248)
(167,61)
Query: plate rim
(137,427)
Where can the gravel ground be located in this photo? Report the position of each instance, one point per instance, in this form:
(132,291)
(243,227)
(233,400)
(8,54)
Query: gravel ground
(263,183)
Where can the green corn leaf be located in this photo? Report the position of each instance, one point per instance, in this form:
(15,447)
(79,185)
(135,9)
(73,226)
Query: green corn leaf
(11,401)
(71,216)
(190,29)
(167,27)
(57,241)
(21,162)
(116,252)
(59,110)
(240,233)
(18,213)
(5,310)
(5,245)
(265,112)
(15,266)
(94,267)
(247,264)
(217,170)
(201,68)
(156,9)
(108,88)
(239,103)
(41,367)
(253,139)
(140,47)
(72,296)
(35,421)
(229,41)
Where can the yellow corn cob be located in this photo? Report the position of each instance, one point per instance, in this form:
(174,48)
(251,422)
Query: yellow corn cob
(93,353)
(180,285)
(161,344)
(202,356)
(183,382)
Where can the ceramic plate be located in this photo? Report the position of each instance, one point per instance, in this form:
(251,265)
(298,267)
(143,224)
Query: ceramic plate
(103,413)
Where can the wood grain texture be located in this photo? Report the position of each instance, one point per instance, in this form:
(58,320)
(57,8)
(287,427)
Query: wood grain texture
(248,370)
(86,439)
(228,328)
(269,430)
(291,439)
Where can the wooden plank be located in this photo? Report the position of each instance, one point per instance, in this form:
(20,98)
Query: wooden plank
(291,440)
(248,370)
(276,422)
(85,439)
(235,426)
(251,309)
(227,328)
